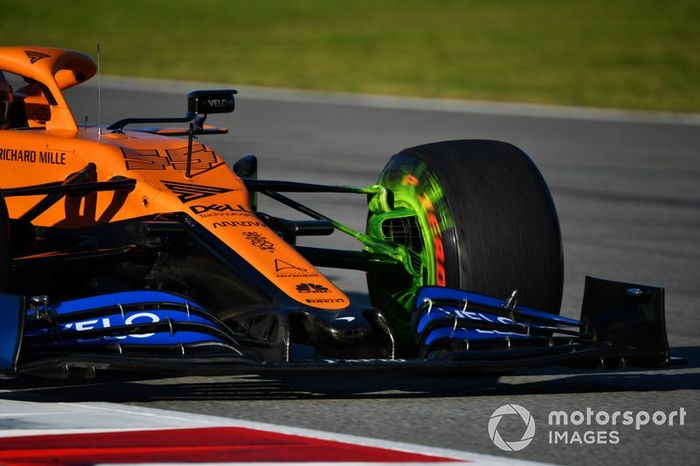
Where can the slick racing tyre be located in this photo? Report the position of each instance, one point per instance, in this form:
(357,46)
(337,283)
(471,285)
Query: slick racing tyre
(473,214)
(4,246)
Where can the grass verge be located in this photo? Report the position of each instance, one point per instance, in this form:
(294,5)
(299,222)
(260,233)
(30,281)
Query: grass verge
(637,54)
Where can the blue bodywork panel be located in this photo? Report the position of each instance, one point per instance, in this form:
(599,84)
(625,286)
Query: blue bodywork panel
(89,320)
(458,319)
(11,328)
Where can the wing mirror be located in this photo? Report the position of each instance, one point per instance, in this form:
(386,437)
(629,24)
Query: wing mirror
(213,101)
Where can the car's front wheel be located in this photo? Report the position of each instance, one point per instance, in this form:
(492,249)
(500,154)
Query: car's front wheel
(473,214)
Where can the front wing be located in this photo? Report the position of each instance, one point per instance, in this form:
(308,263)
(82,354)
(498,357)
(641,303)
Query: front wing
(163,334)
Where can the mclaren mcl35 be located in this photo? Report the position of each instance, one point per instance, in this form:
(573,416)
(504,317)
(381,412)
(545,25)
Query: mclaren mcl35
(134,247)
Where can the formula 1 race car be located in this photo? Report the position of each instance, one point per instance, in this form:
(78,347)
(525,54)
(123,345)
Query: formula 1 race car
(140,250)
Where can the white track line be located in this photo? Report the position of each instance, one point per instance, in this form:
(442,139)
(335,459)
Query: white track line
(403,103)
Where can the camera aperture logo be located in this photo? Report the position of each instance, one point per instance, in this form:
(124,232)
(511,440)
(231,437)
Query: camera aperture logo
(509,410)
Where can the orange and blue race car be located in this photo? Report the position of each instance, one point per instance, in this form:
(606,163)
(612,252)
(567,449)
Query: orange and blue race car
(135,247)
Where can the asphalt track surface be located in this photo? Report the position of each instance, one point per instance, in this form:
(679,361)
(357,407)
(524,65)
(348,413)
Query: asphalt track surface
(627,189)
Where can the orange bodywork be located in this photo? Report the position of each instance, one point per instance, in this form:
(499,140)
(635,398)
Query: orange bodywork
(50,146)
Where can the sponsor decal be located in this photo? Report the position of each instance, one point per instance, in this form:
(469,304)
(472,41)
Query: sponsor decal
(219,103)
(473,315)
(203,159)
(187,192)
(259,241)
(144,159)
(284,269)
(35,56)
(311,288)
(104,322)
(202,209)
(284,265)
(324,300)
(234,224)
(31,156)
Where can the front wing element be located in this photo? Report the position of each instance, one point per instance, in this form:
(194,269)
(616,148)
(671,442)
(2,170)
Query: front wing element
(456,331)
(621,323)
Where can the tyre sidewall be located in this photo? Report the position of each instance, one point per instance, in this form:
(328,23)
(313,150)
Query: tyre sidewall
(492,221)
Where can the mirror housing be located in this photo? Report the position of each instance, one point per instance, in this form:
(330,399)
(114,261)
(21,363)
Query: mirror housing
(199,105)
(211,101)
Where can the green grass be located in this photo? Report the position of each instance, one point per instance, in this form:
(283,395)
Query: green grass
(639,54)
